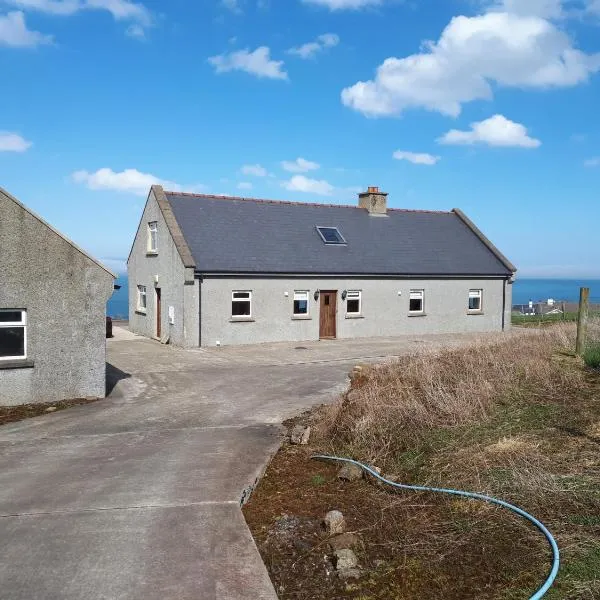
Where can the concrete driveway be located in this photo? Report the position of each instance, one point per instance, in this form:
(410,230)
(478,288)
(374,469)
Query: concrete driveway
(138,496)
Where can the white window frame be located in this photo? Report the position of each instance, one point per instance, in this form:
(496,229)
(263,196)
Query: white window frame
(419,294)
(142,292)
(153,236)
(475,293)
(245,299)
(21,323)
(301,295)
(354,295)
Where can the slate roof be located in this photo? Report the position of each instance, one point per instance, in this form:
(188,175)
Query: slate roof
(242,235)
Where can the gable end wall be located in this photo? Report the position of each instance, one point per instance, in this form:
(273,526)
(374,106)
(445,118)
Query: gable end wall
(178,287)
(65,294)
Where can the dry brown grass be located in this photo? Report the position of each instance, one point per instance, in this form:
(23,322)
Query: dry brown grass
(516,417)
(394,405)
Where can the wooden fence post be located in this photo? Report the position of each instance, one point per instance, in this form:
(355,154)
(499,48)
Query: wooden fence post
(584,297)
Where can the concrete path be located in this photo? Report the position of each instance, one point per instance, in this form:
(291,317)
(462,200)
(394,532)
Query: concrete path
(138,496)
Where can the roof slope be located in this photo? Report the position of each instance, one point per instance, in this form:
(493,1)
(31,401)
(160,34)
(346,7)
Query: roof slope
(238,235)
(8,196)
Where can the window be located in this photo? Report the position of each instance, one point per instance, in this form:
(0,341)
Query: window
(241,304)
(475,300)
(300,303)
(331,235)
(13,334)
(153,236)
(353,303)
(141,298)
(416,301)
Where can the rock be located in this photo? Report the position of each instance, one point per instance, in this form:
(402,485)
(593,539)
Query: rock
(345,559)
(344,540)
(300,435)
(350,472)
(356,372)
(302,545)
(334,522)
(51,409)
(350,574)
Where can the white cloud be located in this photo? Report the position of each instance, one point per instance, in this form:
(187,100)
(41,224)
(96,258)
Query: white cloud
(311,49)
(495,131)
(300,165)
(14,32)
(136,31)
(593,7)
(129,180)
(121,10)
(592,162)
(547,9)
(300,183)
(345,4)
(244,185)
(254,170)
(232,5)
(257,63)
(472,54)
(417,158)
(13,142)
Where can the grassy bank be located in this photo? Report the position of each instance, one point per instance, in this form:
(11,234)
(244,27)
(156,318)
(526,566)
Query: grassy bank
(517,418)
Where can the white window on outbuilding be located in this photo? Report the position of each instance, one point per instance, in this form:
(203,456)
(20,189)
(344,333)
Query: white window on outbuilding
(13,334)
(241,304)
(141,298)
(416,302)
(353,302)
(301,303)
(153,236)
(475,300)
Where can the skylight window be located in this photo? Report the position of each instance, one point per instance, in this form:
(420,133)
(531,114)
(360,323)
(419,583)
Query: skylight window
(331,235)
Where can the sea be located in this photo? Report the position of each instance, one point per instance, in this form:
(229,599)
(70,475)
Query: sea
(524,290)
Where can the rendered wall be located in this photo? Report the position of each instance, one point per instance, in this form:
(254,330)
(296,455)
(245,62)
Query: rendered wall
(384,311)
(167,264)
(65,295)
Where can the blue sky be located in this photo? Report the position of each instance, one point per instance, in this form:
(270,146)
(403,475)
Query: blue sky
(490,106)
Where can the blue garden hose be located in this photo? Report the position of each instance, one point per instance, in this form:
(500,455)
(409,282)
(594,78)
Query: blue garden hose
(555,552)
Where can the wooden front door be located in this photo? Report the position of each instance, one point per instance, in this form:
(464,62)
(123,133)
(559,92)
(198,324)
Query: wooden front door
(158,312)
(327,318)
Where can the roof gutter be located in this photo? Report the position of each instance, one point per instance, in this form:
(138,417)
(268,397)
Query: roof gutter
(308,275)
(486,242)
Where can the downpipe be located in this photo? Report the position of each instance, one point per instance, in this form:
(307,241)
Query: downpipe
(419,488)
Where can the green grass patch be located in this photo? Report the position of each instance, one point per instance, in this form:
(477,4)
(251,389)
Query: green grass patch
(591,356)
(537,320)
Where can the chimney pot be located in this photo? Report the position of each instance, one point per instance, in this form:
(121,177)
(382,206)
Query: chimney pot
(374,201)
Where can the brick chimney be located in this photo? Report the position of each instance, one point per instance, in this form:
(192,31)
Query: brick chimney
(374,201)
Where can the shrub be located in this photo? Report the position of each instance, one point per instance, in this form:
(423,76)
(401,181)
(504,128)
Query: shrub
(591,356)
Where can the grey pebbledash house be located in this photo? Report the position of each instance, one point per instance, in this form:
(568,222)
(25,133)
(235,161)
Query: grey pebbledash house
(213,270)
(52,312)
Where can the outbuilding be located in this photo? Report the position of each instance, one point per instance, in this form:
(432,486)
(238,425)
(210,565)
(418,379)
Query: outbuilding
(210,270)
(52,312)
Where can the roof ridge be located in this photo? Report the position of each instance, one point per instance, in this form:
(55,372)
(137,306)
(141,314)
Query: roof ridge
(294,203)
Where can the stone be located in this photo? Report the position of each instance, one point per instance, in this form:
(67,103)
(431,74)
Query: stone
(345,559)
(344,540)
(302,545)
(51,409)
(350,472)
(300,435)
(350,574)
(334,522)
